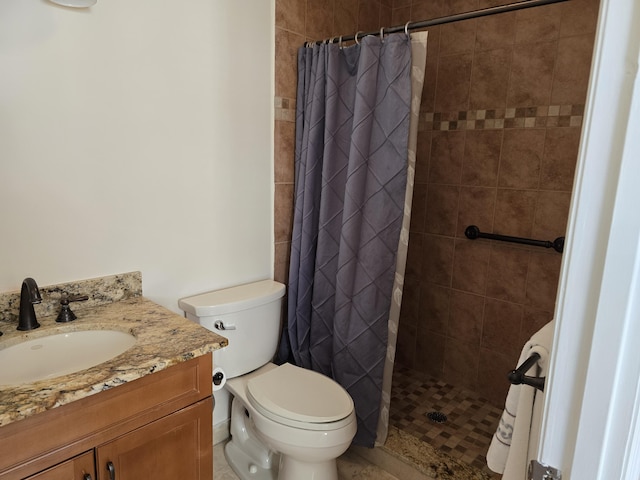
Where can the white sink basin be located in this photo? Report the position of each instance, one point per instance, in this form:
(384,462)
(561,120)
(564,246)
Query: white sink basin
(60,354)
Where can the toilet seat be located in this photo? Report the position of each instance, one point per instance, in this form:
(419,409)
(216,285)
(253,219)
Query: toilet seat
(300,398)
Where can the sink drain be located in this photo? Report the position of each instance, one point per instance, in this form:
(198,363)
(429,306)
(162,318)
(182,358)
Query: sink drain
(437,417)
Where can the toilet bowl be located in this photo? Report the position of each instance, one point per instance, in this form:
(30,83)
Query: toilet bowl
(308,430)
(285,422)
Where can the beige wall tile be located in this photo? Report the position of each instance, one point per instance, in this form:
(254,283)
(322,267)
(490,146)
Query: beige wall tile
(496,31)
(579,17)
(451,7)
(431,71)
(406,345)
(476,207)
(447,151)
(521,157)
(414,256)
(401,15)
(552,212)
(290,15)
(286,67)
(508,274)
(319,19)
(461,363)
(434,307)
(426,9)
(470,265)
(401,3)
(430,349)
(542,279)
(281,269)
(501,327)
(386,15)
(437,259)
(533,319)
(515,211)
(465,318)
(458,37)
(423,155)
(490,79)
(345,18)
(283,212)
(540,24)
(369,15)
(452,86)
(531,74)
(482,157)
(284,143)
(419,208)
(560,157)
(492,372)
(442,200)
(410,308)
(573,65)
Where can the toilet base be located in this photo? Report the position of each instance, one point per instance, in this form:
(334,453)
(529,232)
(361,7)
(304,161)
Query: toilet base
(245,466)
(292,469)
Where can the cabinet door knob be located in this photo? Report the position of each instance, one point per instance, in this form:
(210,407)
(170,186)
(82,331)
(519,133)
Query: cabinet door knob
(86,477)
(112,471)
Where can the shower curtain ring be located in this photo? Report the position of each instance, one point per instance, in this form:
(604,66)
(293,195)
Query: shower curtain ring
(406,28)
(356,37)
(382,33)
(340,42)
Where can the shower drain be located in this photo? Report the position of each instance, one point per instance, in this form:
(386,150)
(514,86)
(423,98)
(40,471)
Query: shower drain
(437,417)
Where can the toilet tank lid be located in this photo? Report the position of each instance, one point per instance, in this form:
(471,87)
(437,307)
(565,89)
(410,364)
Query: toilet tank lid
(233,299)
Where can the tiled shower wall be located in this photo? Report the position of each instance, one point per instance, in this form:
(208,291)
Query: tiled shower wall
(502,110)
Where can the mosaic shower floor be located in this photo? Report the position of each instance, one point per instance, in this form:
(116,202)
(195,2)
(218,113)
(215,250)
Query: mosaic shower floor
(471,420)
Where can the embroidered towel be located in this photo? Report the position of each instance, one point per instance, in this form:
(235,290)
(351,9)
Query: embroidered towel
(516,439)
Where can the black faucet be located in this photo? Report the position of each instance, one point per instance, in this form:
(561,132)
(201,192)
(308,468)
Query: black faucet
(28,296)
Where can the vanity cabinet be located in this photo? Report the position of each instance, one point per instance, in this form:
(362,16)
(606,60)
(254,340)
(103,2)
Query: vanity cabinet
(162,450)
(159,427)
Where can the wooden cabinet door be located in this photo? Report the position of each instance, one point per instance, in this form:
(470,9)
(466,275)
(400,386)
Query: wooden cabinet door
(77,468)
(178,446)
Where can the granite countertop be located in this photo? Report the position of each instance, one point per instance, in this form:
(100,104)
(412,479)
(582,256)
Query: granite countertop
(164,338)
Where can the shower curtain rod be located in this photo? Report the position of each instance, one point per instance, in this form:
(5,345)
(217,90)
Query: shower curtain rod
(448,19)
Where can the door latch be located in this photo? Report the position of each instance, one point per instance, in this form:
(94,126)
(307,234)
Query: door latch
(539,471)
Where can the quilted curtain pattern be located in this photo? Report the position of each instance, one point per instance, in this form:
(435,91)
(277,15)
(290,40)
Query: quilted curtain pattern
(352,130)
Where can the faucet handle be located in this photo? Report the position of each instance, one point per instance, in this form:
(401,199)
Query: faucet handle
(66,315)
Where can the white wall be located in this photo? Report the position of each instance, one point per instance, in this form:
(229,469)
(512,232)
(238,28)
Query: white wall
(137,135)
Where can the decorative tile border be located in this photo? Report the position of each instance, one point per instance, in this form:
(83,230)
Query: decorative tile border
(490,119)
(285,109)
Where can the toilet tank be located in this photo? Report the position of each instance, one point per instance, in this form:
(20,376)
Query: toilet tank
(248,316)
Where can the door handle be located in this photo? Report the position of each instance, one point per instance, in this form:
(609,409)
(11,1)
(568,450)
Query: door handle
(112,471)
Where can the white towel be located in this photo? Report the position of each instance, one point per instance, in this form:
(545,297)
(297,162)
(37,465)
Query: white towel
(516,440)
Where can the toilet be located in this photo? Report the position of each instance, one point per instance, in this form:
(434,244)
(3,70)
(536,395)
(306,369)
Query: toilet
(284,422)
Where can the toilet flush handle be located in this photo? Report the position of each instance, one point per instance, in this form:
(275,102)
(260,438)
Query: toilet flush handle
(219,325)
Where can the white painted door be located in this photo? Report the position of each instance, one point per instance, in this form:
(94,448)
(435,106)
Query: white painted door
(590,425)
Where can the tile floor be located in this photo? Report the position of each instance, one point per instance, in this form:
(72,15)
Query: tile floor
(471,420)
(419,448)
(351,466)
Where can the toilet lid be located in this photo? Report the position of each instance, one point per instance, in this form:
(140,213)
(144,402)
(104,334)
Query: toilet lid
(301,395)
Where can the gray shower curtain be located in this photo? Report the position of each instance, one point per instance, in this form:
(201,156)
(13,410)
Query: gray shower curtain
(352,129)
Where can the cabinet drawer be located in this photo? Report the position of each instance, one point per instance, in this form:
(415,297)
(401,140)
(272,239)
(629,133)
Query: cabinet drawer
(79,468)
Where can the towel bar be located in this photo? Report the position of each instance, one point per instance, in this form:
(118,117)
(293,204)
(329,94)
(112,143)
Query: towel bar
(472,232)
(518,377)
